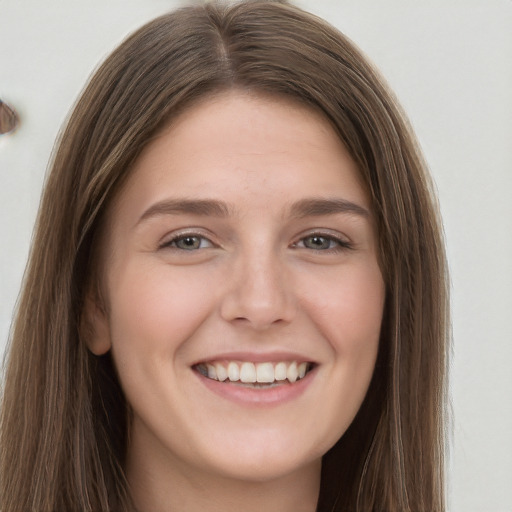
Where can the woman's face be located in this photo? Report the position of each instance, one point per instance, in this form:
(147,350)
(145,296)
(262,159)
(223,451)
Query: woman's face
(242,248)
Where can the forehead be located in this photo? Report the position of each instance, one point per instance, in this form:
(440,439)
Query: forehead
(240,141)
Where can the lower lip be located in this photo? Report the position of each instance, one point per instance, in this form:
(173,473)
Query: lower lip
(275,395)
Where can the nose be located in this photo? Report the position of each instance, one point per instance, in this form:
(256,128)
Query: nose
(259,292)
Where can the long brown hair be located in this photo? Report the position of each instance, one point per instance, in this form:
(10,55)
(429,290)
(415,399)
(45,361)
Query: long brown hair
(64,418)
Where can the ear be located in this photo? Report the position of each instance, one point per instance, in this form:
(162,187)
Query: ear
(95,327)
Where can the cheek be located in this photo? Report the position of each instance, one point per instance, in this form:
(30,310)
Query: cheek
(156,307)
(348,311)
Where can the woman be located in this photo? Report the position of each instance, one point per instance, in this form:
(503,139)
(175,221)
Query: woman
(236,295)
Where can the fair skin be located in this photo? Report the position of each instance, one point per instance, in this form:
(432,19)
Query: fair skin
(243,241)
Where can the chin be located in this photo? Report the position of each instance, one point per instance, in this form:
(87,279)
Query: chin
(264,457)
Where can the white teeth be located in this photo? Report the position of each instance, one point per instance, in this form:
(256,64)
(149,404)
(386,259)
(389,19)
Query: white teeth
(280,371)
(292,372)
(265,372)
(222,373)
(248,372)
(233,372)
(212,374)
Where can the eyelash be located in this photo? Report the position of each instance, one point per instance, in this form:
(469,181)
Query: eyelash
(172,244)
(339,244)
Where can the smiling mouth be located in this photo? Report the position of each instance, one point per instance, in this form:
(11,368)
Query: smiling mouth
(255,375)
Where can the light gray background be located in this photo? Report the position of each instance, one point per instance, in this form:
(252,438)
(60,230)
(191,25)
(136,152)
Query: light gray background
(450,63)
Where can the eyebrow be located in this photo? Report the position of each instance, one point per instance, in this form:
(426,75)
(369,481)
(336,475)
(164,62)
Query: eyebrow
(206,207)
(316,207)
(309,207)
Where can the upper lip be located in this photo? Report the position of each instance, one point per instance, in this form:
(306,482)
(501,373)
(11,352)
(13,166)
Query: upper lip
(256,357)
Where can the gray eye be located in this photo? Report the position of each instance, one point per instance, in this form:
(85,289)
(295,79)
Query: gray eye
(188,243)
(318,242)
